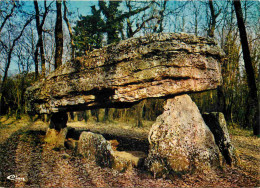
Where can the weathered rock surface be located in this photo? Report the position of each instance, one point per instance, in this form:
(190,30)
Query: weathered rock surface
(124,160)
(218,126)
(114,144)
(157,65)
(95,147)
(57,131)
(180,141)
(56,138)
(71,144)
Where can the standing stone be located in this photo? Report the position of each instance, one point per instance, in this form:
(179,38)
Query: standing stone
(57,131)
(95,147)
(218,126)
(180,141)
(56,138)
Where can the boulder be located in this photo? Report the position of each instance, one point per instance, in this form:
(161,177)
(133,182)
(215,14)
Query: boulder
(180,141)
(218,126)
(156,65)
(95,147)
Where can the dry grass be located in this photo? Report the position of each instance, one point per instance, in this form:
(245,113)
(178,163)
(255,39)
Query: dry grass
(24,154)
(115,128)
(248,149)
(9,125)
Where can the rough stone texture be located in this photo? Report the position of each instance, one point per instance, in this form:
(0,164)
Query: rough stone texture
(180,141)
(114,144)
(95,147)
(124,160)
(57,131)
(218,126)
(157,65)
(56,138)
(71,144)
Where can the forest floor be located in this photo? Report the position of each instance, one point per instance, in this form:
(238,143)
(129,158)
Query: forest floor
(26,161)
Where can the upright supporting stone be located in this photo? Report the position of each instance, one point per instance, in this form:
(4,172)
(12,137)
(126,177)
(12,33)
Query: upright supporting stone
(180,141)
(218,126)
(57,131)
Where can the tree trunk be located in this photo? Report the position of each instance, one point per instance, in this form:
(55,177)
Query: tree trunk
(39,26)
(253,101)
(58,36)
(70,31)
(36,62)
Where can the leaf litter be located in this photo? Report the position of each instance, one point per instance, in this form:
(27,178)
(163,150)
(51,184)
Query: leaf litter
(24,154)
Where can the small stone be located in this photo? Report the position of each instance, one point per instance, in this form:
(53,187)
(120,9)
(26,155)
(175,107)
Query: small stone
(126,160)
(65,156)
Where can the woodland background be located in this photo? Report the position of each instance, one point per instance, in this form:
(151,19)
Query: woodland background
(36,37)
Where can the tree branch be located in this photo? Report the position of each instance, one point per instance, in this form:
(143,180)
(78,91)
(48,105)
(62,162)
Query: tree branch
(8,16)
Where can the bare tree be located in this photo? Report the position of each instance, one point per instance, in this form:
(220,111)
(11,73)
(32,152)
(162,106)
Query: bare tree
(39,26)
(8,16)
(161,18)
(9,57)
(58,36)
(138,26)
(253,99)
(213,21)
(70,30)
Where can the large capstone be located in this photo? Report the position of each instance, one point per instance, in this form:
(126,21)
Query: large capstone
(218,126)
(180,141)
(119,75)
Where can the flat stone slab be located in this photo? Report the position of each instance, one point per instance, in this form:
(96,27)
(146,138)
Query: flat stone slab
(118,75)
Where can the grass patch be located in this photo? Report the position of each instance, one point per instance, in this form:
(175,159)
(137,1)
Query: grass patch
(9,125)
(234,130)
(247,146)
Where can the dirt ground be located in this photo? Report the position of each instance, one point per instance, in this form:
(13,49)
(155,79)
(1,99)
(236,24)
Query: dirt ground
(32,163)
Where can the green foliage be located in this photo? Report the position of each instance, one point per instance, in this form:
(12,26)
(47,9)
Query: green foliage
(88,32)
(105,25)
(90,29)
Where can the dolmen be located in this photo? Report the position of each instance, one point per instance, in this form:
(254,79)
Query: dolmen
(164,65)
